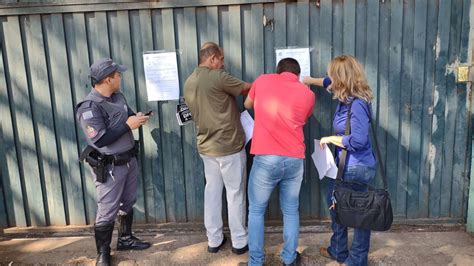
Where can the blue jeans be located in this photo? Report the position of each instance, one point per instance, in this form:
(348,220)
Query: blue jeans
(358,255)
(267,172)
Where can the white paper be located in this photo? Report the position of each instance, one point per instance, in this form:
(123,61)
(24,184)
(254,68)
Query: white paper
(247,124)
(161,76)
(300,54)
(324,161)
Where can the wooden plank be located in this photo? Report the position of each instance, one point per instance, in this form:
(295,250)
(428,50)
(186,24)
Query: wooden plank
(44,120)
(349,30)
(405,92)
(23,119)
(269,35)
(450,111)
(427,110)
(413,209)
(470,210)
(338,30)
(78,57)
(63,109)
(437,147)
(458,113)
(11,10)
(361,36)
(201,22)
(10,172)
(150,201)
(212,24)
(155,181)
(193,167)
(171,138)
(234,66)
(464,53)
(3,206)
(324,99)
(96,23)
(393,107)
(371,59)
(317,69)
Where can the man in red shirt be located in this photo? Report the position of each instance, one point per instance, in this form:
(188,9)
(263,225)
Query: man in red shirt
(282,105)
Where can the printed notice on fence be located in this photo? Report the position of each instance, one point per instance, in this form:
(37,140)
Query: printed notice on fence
(300,54)
(161,75)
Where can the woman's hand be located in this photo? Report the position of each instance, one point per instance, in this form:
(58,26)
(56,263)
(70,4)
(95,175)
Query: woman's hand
(313,81)
(336,140)
(323,142)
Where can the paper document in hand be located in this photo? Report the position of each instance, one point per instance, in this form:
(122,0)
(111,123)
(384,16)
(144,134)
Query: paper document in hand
(324,161)
(247,124)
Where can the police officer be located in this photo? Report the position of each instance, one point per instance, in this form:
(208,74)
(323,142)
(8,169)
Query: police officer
(107,122)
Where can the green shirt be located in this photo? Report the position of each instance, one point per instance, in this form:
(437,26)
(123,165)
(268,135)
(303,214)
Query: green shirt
(210,96)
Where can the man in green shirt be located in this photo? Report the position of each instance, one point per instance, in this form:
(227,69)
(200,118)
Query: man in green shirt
(210,93)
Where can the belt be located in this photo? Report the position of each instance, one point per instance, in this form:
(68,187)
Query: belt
(124,157)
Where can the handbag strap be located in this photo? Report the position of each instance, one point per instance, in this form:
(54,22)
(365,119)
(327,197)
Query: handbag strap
(342,159)
(377,151)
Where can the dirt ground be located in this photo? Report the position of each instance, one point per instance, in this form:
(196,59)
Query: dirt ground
(404,245)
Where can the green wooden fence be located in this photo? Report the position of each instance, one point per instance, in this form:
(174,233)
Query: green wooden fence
(409,50)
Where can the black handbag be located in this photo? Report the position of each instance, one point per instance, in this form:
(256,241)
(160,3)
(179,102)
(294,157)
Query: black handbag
(370,210)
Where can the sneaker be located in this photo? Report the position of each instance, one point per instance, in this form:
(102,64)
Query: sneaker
(240,251)
(296,262)
(216,249)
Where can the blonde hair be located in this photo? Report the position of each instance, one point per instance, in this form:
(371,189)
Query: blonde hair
(348,79)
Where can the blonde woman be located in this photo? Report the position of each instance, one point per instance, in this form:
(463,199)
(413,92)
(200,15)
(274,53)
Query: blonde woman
(347,82)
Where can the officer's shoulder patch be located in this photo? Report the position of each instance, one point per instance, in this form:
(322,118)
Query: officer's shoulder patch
(87,115)
(91,132)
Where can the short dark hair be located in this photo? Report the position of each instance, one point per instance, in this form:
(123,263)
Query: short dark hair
(207,50)
(98,82)
(288,65)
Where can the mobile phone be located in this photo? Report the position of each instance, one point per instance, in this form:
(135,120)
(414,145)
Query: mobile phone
(148,113)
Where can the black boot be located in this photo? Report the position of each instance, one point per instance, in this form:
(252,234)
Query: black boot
(126,240)
(103,237)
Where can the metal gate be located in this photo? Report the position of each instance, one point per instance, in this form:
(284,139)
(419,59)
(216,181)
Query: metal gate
(409,49)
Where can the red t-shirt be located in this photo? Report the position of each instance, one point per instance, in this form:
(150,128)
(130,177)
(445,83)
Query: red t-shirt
(281,104)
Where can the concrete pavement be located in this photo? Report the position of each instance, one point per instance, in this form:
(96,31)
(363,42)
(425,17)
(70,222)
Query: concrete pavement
(404,245)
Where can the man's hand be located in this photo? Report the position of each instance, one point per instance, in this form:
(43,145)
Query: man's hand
(246,88)
(136,121)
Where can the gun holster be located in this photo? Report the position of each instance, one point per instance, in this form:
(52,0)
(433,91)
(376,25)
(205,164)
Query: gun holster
(97,161)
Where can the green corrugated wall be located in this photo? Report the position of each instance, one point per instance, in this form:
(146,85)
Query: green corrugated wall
(409,50)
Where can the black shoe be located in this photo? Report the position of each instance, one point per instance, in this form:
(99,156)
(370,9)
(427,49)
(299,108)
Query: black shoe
(240,251)
(103,237)
(131,243)
(215,249)
(296,262)
(127,241)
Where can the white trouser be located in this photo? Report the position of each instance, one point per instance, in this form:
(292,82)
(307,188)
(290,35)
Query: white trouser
(229,171)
